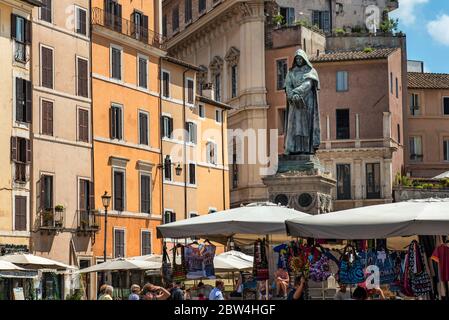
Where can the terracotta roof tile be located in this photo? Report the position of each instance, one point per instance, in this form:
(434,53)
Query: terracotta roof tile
(353,55)
(428,80)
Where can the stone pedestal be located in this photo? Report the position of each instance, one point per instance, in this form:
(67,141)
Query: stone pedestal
(302,183)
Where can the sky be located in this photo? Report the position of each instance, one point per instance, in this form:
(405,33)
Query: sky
(426,24)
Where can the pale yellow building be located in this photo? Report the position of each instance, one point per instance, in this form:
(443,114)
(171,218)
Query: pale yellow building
(15,124)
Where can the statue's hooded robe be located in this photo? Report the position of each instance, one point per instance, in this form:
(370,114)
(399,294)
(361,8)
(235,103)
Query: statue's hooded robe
(302,134)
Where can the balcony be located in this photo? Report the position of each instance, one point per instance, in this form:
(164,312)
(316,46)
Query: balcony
(127,28)
(51,220)
(86,221)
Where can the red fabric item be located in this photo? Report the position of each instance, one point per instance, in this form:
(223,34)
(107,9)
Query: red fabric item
(441,256)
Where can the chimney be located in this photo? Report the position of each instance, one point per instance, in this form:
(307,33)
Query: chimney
(208,91)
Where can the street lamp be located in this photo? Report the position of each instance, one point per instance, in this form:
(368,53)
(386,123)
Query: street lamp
(168,164)
(106,199)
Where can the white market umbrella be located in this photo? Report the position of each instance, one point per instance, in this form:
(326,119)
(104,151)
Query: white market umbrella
(444,175)
(233,261)
(8,266)
(414,217)
(31,261)
(254,219)
(122,264)
(148,257)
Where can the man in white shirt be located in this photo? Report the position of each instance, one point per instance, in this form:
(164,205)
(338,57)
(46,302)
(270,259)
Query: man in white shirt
(217,292)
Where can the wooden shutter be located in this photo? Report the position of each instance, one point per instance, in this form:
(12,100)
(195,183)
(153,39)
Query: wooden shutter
(116,64)
(47,67)
(91,196)
(143,119)
(20,213)
(28,155)
(13,26)
(42,192)
(192,175)
(215,153)
(20,99)
(14,154)
(118,14)
(111,123)
(119,123)
(145,193)
(118,191)
(83,125)
(82,22)
(82,78)
(28,102)
(144,31)
(83,195)
(170,127)
(194,128)
(47,118)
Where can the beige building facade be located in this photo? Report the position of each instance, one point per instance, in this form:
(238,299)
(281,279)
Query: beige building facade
(15,125)
(62,173)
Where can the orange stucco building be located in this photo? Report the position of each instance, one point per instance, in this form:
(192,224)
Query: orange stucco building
(126,54)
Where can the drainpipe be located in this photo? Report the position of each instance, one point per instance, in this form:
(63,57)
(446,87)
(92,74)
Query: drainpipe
(184,140)
(223,158)
(92,172)
(160,141)
(31,180)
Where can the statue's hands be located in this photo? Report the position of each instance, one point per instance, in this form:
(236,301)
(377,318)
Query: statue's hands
(296,98)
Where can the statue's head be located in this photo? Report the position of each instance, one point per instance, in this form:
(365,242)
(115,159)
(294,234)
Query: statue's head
(301,58)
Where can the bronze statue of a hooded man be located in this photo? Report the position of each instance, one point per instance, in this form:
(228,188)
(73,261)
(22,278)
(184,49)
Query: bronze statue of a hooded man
(302,134)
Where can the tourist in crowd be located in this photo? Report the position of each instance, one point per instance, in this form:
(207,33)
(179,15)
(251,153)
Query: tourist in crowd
(101,291)
(176,292)
(238,289)
(152,292)
(282,280)
(217,292)
(107,293)
(343,293)
(299,289)
(135,290)
(360,293)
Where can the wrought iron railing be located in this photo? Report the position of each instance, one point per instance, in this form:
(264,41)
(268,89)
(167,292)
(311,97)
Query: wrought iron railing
(51,219)
(86,220)
(127,27)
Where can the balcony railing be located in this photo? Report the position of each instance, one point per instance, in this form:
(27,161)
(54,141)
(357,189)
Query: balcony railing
(51,219)
(127,28)
(86,221)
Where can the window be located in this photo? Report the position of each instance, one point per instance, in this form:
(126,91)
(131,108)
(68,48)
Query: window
(139,26)
(391,82)
(145,193)
(146,243)
(164,25)
(165,84)
(119,190)
(21,33)
(45,10)
(113,15)
(414,104)
(119,243)
(218,116)
(281,72)
(397,88)
(281,121)
(234,81)
(342,123)
(343,181)
(86,198)
(416,149)
(82,75)
(24,100)
(321,19)
(342,81)
(187,11)
(115,115)
(190,95)
(235,168)
(211,153)
(20,150)
(143,129)
(20,213)
(191,131)
(201,111)
(399,133)
(46,192)
(288,15)
(81,21)
(446,106)
(167,127)
(373,180)
(446,149)
(192,174)
(143,72)
(47,67)
(116,63)
(168,176)
(83,125)
(217,87)
(201,6)
(47,117)
(175,19)
(169,216)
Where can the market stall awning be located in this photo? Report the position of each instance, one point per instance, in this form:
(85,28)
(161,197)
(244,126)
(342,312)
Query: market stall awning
(122,264)
(253,219)
(8,266)
(233,261)
(444,175)
(148,257)
(414,217)
(30,261)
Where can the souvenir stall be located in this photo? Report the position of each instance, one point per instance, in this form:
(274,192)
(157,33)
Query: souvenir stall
(419,271)
(16,283)
(256,223)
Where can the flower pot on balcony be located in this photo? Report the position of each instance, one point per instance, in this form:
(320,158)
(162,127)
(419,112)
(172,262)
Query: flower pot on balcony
(47,218)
